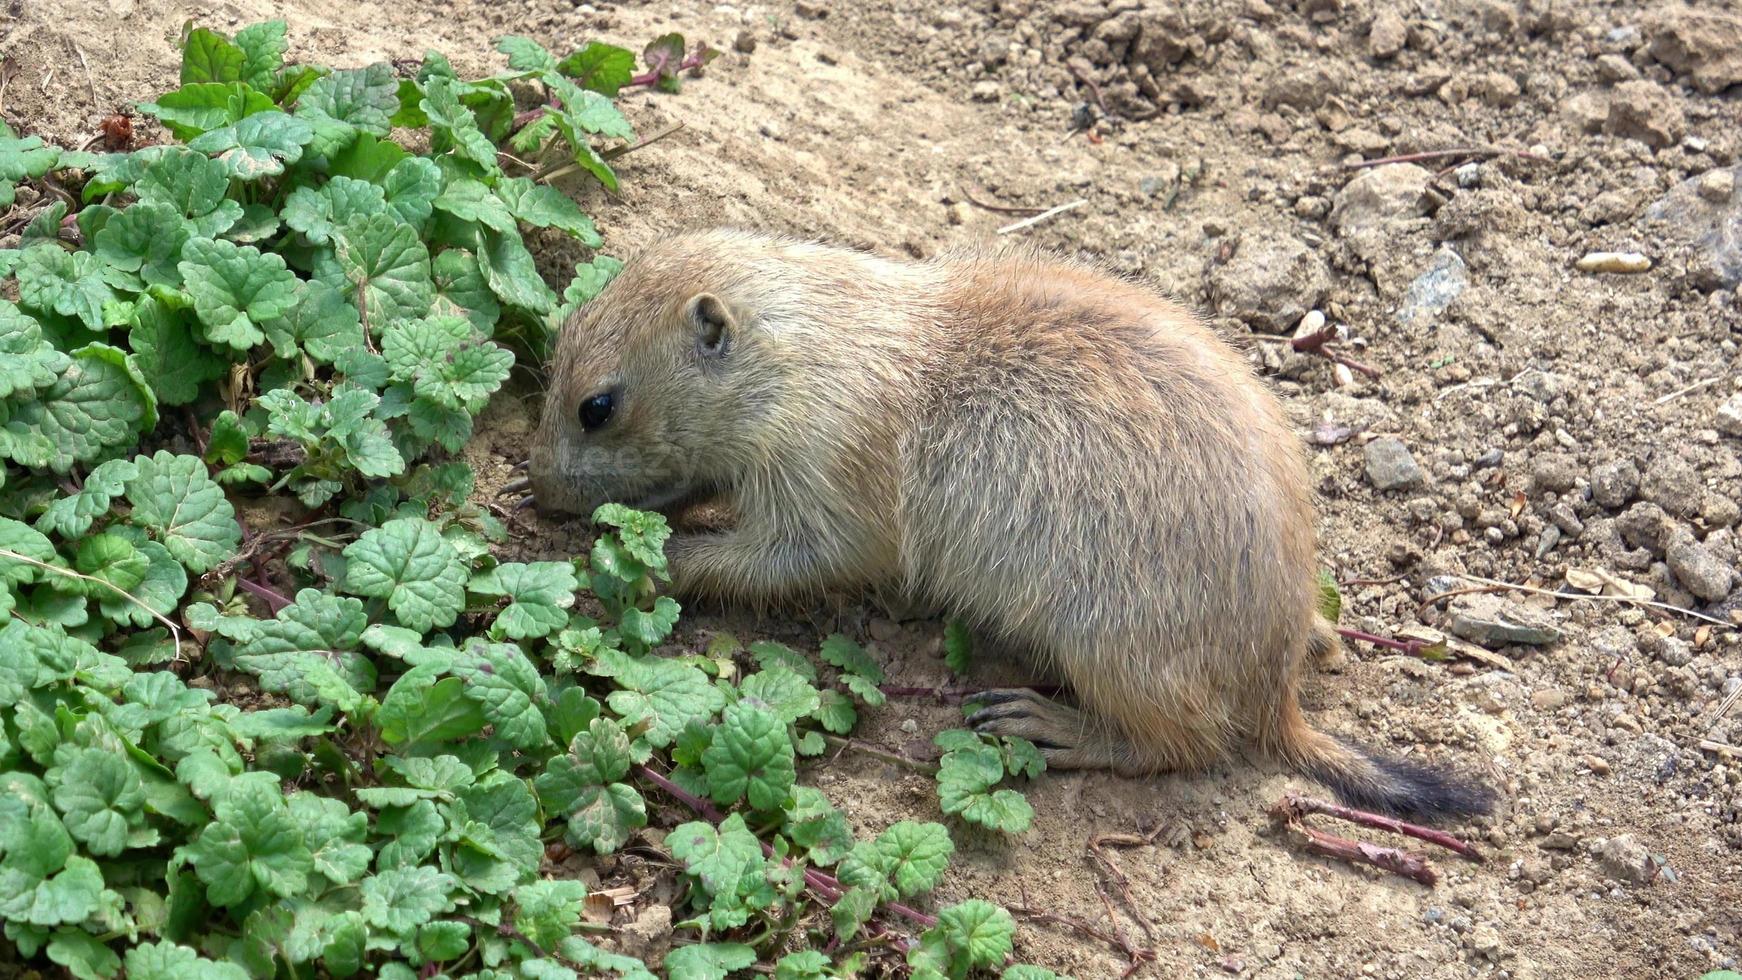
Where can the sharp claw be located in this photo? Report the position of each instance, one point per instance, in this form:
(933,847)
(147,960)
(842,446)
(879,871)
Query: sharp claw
(525,502)
(517,467)
(998,697)
(515,486)
(987,714)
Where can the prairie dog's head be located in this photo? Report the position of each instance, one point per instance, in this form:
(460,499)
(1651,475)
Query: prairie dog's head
(654,385)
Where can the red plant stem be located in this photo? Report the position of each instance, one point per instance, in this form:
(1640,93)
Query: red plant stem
(1411,648)
(690,63)
(1390,858)
(827,886)
(274,600)
(1300,806)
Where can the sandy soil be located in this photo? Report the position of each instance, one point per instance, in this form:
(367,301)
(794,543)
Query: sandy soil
(1557,422)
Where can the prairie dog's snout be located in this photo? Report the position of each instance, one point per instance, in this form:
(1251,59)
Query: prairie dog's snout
(1059,457)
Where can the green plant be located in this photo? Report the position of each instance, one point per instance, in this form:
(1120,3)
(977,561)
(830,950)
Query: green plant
(424,719)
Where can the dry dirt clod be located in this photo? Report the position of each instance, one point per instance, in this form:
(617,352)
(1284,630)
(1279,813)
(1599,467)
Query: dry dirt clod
(1699,570)
(1625,859)
(1395,190)
(1270,282)
(1706,45)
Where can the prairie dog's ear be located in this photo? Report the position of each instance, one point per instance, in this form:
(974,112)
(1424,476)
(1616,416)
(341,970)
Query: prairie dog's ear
(713,324)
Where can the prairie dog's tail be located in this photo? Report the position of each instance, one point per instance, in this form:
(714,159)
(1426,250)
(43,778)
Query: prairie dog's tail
(1368,780)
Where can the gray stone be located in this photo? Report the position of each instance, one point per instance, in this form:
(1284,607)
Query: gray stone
(1490,621)
(1698,570)
(1625,859)
(1390,465)
(1270,282)
(1432,291)
(1689,216)
(1614,485)
(1396,190)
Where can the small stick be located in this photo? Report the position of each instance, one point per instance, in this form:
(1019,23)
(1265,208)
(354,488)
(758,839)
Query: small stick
(1094,90)
(1459,151)
(1298,807)
(1696,386)
(998,208)
(1043,216)
(174,631)
(89,81)
(1355,582)
(1409,648)
(1136,956)
(1318,342)
(1390,858)
(273,599)
(867,748)
(618,151)
(1626,600)
(1722,748)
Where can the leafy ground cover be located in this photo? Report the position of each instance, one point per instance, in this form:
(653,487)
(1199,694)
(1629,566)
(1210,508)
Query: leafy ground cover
(298,305)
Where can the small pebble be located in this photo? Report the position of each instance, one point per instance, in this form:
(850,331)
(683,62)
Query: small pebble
(1617,262)
(1717,185)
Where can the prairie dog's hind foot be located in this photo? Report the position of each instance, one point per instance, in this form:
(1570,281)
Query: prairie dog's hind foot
(1066,737)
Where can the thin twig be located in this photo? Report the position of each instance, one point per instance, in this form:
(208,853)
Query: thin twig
(174,631)
(1351,583)
(1318,342)
(274,599)
(89,81)
(1043,216)
(1587,597)
(1301,806)
(1390,858)
(1722,748)
(1460,151)
(1094,89)
(1409,648)
(628,148)
(1133,954)
(1690,389)
(866,748)
(1724,709)
(998,208)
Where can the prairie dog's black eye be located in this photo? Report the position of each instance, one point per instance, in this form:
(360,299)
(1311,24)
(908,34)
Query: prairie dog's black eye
(596,411)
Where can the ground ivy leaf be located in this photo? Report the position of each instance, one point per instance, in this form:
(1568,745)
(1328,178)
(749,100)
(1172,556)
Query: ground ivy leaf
(387,267)
(815,825)
(470,200)
(411,188)
(254,845)
(781,692)
(853,911)
(160,590)
(98,794)
(805,965)
(718,858)
(958,647)
(600,67)
(980,931)
(235,288)
(334,835)
(146,238)
(455,124)
(110,563)
(707,961)
(835,712)
(544,206)
(257,146)
(306,651)
(263,46)
(548,911)
(83,955)
(365,98)
(1004,810)
(69,283)
(200,106)
(915,855)
(174,498)
(525,54)
(499,676)
(851,657)
(27,360)
(665,694)
(317,212)
(174,364)
(401,899)
(164,960)
(650,627)
(542,593)
(590,112)
(417,711)
(512,273)
(71,516)
(99,402)
(208,56)
(322,324)
(751,758)
(408,563)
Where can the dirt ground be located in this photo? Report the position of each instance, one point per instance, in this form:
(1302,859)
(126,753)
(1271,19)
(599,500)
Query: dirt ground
(1554,424)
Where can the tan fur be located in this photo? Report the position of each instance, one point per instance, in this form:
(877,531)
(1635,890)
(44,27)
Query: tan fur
(1064,459)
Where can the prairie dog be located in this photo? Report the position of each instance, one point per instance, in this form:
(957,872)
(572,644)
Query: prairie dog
(1063,459)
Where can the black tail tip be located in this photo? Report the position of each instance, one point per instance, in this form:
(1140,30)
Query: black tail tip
(1410,789)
